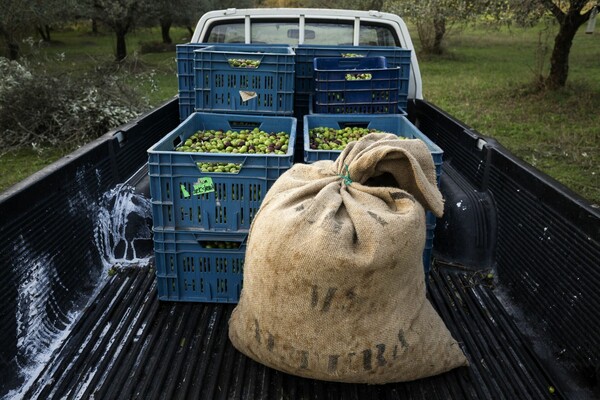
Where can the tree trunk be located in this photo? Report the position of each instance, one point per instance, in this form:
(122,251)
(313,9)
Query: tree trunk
(190,30)
(375,5)
(569,24)
(121,52)
(11,45)
(44,32)
(165,26)
(13,50)
(559,61)
(439,25)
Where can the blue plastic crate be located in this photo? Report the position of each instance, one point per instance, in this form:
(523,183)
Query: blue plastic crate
(305,55)
(199,267)
(219,85)
(396,124)
(338,91)
(237,196)
(185,77)
(311,109)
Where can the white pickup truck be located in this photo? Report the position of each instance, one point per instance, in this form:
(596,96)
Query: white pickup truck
(515,271)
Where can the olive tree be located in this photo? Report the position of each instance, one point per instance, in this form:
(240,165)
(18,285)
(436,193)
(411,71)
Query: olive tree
(570,14)
(119,15)
(15,19)
(21,18)
(48,13)
(433,18)
(188,12)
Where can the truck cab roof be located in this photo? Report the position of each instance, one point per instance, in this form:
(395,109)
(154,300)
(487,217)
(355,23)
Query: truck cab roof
(309,26)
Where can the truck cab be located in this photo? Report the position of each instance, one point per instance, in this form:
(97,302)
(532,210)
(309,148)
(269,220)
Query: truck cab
(309,26)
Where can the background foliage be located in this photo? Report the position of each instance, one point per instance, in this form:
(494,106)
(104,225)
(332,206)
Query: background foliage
(65,88)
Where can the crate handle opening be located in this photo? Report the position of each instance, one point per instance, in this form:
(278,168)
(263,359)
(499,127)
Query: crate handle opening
(219,166)
(352,55)
(220,244)
(177,141)
(243,63)
(343,125)
(359,76)
(350,62)
(244,124)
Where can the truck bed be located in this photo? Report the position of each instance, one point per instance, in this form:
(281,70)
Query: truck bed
(129,345)
(530,332)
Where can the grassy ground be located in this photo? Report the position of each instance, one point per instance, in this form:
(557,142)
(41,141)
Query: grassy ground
(14,167)
(485,79)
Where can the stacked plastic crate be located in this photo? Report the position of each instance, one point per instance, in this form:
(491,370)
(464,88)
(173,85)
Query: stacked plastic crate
(206,190)
(210,80)
(395,57)
(360,88)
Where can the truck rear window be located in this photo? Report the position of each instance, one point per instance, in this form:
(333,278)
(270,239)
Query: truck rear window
(315,32)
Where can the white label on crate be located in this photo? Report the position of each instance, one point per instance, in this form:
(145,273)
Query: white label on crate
(245,95)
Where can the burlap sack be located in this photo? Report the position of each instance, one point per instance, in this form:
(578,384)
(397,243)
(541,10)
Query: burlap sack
(333,282)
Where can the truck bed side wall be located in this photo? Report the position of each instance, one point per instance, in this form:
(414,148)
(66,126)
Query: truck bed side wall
(547,243)
(48,257)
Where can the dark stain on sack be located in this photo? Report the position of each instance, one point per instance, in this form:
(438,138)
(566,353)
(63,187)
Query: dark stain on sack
(401,195)
(334,225)
(377,218)
(257,331)
(367,354)
(314,298)
(270,342)
(333,363)
(380,358)
(402,339)
(328,299)
(304,359)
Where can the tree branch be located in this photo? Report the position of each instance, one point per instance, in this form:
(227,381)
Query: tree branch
(554,9)
(589,12)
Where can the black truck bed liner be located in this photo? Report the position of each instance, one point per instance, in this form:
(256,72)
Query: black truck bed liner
(127,344)
(130,345)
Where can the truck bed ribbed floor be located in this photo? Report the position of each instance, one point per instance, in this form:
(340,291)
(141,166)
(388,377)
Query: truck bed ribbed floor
(130,345)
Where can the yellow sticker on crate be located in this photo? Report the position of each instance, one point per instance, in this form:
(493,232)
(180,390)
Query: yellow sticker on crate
(204,185)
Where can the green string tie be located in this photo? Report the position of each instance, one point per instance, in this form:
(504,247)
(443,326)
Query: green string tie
(346,178)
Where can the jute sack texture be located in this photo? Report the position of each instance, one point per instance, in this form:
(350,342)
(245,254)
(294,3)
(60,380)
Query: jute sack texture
(333,283)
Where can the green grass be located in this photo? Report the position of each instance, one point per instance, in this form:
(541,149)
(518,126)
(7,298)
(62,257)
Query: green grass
(18,165)
(485,80)
(83,51)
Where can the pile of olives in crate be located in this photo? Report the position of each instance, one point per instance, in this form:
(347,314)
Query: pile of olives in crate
(359,77)
(231,168)
(324,138)
(243,63)
(245,141)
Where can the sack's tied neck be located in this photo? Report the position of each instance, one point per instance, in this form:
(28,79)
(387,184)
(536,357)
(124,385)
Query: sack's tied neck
(346,178)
